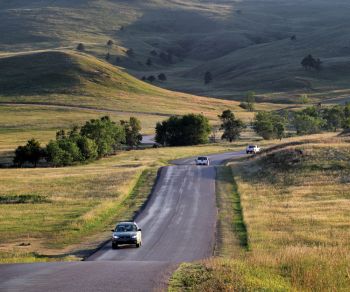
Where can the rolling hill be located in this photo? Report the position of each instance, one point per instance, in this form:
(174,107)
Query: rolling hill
(245,44)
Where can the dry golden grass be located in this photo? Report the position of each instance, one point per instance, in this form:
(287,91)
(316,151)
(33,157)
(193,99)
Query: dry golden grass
(80,204)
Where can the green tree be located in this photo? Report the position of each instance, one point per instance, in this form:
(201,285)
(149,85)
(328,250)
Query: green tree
(132,130)
(307,124)
(107,135)
(56,156)
(151,78)
(334,117)
(88,148)
(190,129)
(269,125)
(162,77)
(31,153)
(232,127)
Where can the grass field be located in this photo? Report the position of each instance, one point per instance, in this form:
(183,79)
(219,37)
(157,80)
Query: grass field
(295,206)
(67,211)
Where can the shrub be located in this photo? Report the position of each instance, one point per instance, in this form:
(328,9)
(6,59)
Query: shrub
(31,153)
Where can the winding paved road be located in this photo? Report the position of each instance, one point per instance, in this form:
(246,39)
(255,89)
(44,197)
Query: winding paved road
(178,224)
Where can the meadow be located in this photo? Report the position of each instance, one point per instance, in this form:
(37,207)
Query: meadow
(295,207)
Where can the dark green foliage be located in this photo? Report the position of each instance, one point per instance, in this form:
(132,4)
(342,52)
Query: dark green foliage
(80,47)
(151,78)
(132,130)
(232,127)
(97,138)
(208,77)
(23,199)
(309,62)
(162,77)
(190,129)
(107,135)
(149,62)
(335,118)
(30,153)
(269,125)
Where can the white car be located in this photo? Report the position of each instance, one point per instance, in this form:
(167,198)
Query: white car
(202,160)
(252,149)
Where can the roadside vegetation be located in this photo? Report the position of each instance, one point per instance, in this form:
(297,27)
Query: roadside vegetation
(295,206)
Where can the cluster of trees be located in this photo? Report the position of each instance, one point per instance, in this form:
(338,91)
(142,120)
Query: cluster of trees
(96,139)
(152,78)
(189,129)
(165,57)
(311,120)
(309,62)
(315,119)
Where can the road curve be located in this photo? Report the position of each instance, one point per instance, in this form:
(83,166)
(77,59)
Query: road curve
(178,224)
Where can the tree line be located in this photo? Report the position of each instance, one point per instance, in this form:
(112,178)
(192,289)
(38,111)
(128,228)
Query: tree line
(97,138)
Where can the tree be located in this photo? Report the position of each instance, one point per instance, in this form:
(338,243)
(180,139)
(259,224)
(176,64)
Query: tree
(151,78)
(88,148)
(57,156)
(190,129)
(107,135)
(309,62)
(31,153)
(109,44)
(208,77)
(162,77)
(269,125)
(132,130)
(149,62)
(108,56)
(80,47)
(143,78)
(232,127)
(307,124)
(334,117)
(293,37)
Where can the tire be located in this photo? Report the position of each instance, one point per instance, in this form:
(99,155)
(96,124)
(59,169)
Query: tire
(114,246)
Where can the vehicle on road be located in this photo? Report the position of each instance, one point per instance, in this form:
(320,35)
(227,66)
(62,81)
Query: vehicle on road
(202,160)
(126,233)
(252,149)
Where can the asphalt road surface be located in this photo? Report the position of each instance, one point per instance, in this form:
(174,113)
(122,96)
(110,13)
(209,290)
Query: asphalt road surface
(178,225)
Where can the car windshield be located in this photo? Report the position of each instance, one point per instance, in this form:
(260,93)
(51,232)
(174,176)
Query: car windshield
(202,158)
(126,228)
(251,146)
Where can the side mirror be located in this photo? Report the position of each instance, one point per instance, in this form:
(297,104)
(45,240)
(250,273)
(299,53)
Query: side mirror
(139,229)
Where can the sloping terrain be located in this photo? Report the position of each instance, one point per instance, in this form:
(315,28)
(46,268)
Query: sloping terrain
(245,44)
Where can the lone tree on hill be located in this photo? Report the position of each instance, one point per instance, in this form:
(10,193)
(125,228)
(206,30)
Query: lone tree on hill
(109,45)
(162,77)
(232,127)
(208,77)
(81,47)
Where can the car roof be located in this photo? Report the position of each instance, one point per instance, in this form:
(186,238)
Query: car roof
(126,223)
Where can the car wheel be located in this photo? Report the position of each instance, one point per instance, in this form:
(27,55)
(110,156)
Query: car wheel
(114,246)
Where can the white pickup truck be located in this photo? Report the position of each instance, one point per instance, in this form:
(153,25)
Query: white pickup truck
(252,149)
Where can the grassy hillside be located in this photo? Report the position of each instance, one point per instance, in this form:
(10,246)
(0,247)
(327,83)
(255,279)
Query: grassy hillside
(295,207)
(41,92)
(245,44)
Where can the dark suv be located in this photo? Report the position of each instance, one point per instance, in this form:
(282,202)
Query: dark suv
(126,233)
